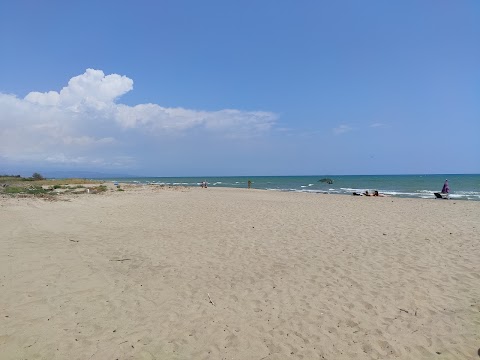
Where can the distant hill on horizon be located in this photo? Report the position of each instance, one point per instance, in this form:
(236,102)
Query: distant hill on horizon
(82,174)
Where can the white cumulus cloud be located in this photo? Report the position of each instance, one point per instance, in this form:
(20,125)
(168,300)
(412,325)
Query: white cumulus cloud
(91,88)
(78,122)
(342,129)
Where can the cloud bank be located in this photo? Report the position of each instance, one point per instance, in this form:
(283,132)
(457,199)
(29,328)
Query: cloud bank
(84,123)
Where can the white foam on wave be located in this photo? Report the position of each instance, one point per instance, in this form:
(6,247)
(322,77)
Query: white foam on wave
(312,191)
(418,194)
(464,196)
(349,190)
(474,193)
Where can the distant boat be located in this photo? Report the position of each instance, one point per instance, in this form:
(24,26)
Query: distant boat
(326,180)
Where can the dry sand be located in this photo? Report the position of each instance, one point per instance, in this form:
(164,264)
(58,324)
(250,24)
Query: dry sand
(154,273)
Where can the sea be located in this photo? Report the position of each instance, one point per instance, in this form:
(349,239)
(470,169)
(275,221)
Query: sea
(462,187)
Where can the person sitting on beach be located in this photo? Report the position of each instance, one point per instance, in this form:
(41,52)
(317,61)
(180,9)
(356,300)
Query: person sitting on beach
(376,193)
(366,193)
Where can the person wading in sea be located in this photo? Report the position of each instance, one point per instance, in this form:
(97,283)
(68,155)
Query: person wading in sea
(446,188)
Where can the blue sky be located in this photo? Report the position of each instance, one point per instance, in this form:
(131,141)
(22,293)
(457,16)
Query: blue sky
(179,88)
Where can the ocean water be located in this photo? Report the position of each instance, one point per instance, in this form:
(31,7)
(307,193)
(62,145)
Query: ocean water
(462,187)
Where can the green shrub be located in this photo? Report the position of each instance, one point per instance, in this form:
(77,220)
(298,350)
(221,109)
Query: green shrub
(98,189)
(22,190)
(36,190)
(14,190)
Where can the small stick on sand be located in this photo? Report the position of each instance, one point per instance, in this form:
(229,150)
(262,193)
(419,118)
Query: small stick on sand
(209,298)
(404,310)
(31,344)
(120,259)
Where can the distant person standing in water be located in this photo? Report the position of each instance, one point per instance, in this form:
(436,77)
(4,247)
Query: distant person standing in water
(249,184)
(445,188)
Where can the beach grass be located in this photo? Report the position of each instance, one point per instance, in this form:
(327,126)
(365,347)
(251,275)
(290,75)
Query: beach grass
(15,185)
(26,190)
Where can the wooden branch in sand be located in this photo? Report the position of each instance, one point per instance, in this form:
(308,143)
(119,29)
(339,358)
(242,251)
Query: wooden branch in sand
(209,298)
(120,259)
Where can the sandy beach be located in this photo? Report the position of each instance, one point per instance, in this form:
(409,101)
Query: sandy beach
(190,273)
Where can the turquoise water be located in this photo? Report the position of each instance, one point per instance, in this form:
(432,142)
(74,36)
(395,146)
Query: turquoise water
(462,187)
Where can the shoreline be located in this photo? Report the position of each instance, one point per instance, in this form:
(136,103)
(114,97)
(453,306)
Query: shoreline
(465,186)
(398,186)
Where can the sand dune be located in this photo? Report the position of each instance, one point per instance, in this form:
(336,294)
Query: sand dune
(154,273)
